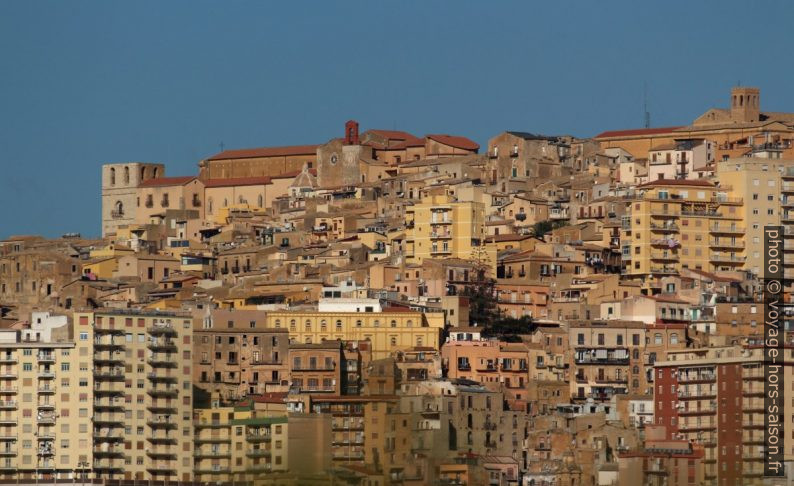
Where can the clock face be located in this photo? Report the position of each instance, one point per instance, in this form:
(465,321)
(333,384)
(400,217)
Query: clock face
(334,158)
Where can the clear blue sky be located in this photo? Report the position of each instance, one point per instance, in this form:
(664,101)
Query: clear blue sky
(84,83)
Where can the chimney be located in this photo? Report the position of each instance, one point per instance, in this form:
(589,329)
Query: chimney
(351,132)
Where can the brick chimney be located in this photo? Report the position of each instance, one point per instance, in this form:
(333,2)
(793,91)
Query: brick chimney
(351,132)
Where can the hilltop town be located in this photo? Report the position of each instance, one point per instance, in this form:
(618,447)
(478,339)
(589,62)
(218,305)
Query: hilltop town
(389,308)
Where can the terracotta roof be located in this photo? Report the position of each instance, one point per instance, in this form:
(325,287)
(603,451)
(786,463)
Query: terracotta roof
(455,141)
(294,173)
(238,181)
(636,132)
(266,152)
(167,181)
(678,182)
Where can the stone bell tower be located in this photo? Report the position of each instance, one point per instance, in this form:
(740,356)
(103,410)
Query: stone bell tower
(745,104)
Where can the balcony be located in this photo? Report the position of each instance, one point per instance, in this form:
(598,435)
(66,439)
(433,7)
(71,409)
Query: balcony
(46,374)
(210,425)
(258,453)
(157,454)
(162,329)
(46,419)
(109,374)
(162,362)
(8,359)
(211,455)
(50,389)
(162,424)
(664,228)
(108,437)
(163,392)
(440,235)
(108,420)
(109,453)
(46,357)
(735,245)
(257,437)
(161,470)
(162,409)
(669,257)
(727,259)
(46,406)
(101,406)
(107,345)
(162,346)
(8,452)
(8,405)
(161,439)
(157,378)
(664,270)
(212,439)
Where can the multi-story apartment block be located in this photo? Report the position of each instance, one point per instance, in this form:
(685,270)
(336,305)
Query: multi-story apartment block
(142,385)
(317,368)
(675,224)
(443,227)
(607,358)
(236,355)
(787,219)
(45,402)
(758,182)
(714,396)
(238,443)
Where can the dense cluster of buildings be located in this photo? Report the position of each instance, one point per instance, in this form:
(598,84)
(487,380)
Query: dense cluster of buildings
(306,315)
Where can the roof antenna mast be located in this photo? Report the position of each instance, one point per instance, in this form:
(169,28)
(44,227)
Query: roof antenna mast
(647,114)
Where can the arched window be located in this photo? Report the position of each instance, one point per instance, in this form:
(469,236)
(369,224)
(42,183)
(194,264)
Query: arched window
(260,201)
(112,176)
(308,339)
(418,340)
(293,325)
(393,323)
(338,324)
(143,174)
(635,383)
(409,323)
(118,210)
(636,354)
(154,173)
(308,325)
(674,338)
(635,370)
(126,175)
(657,338)
(376,323)
(393,341)
(323,325)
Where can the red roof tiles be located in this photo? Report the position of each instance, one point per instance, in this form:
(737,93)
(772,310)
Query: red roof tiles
(266,152)
(238,181)
(455,141)
(678,182)
(637,132)
(167,181)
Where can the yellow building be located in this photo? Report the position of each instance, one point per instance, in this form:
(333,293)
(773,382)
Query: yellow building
(238,443)
(758,181)
(45,402)
(675,224)
(442,227)
(142,392)
(388,331)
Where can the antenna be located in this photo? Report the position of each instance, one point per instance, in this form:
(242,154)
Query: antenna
(647,114)
(222,145)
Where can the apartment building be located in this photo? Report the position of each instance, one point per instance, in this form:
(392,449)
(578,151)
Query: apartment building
(390,330)
(236,355)
(787,219)
(714,397)
(317,367)
(443,227)
(758,182)
(676,224)
(45,402)
(607,358)
(142,385)
(239,443)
